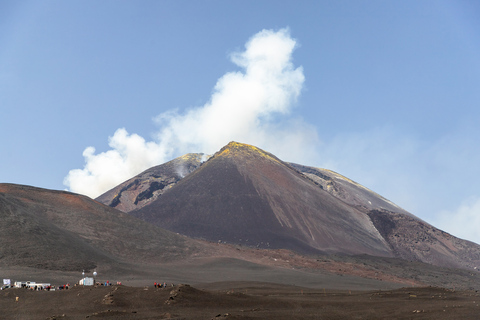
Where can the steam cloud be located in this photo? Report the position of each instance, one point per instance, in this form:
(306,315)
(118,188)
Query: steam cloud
(248,106)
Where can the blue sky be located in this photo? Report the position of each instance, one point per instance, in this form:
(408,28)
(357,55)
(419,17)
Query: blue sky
(384,92)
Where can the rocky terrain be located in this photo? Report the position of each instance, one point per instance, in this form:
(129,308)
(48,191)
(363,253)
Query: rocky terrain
(241,222)
(238,301)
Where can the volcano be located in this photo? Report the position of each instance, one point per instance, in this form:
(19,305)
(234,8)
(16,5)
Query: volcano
(243,213)
(247,196)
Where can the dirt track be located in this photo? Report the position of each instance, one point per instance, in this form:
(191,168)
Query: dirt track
(238,301)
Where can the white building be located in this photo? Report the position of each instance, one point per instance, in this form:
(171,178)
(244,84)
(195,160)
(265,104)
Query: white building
(87,281)
(31,284)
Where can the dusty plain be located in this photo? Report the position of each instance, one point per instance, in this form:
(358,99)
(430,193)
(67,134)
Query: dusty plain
(238,300)
(226,288)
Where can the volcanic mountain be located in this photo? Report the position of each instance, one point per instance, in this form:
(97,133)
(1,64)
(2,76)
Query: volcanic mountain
(254,204)
(244,195)
(59,230)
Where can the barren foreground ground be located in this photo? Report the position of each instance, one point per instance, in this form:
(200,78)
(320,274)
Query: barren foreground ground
(238,300)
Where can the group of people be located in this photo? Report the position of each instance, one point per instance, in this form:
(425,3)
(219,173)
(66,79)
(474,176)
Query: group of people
(160,285)
(64,287)
(45,287)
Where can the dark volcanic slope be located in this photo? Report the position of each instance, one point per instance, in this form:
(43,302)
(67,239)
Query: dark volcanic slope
(61,230)
(248,196)
(140,190)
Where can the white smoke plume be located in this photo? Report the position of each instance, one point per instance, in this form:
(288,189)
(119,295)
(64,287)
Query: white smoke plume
(130,155)
(246,106)
(181,171)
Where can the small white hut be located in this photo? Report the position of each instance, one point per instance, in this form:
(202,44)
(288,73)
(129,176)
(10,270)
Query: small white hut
(87,281)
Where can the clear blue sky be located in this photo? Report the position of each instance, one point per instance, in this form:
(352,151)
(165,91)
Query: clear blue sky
(390,96)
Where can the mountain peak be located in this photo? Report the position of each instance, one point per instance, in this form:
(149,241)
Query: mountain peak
(150,184)
(247,196)
(234,149)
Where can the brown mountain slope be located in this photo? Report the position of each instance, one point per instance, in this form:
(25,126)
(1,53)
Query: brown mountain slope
(347,190)
(140,190)
(26,239)
(409,237)
(61,230)
(247,196)
(415,240)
